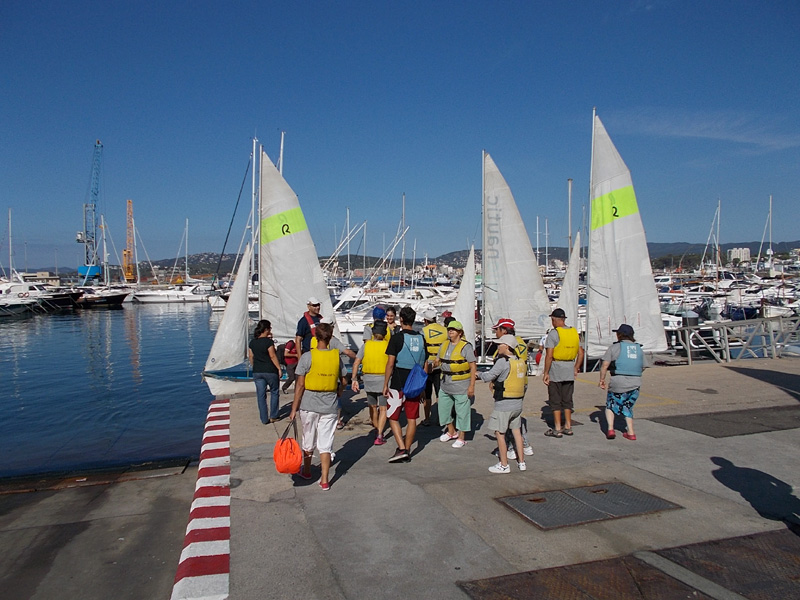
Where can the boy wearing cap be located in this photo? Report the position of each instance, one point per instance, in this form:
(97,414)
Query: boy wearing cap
(372,359)
(626,361)
(456,357)
(378,316)
(563,357)
(508,390)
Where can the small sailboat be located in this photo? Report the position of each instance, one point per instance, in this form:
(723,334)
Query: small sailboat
(620,278)
(464,307)
(289,274)
(512,284)
(227,370)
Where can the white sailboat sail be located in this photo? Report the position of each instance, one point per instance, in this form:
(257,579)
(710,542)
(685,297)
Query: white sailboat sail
(464,307)
(621,288)
(512,284)
(289,270)
(230,344)
(568,298)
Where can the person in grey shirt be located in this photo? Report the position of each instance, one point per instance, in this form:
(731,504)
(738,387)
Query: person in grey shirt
(625,360)
(562,362)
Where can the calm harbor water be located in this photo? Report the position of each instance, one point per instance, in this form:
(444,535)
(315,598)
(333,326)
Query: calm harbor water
(103,388)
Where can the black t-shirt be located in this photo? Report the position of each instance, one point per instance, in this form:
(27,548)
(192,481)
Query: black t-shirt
(262,363)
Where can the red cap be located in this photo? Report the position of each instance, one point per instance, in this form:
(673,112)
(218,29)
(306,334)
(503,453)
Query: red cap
(447,313)
(504,323)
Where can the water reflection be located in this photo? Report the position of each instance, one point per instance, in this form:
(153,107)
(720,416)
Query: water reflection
(101,388)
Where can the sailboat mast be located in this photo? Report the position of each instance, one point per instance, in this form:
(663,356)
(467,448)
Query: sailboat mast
(483,254)
(403,251)
(186,235)
(253,204)
(537,240)
(10,265)
(569,215)
(588,247)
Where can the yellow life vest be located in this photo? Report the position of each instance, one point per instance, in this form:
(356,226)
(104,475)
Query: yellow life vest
(568,344)
(521,350)
(459,368)
(435,335)
(323,376)
(517,382)
(375,357)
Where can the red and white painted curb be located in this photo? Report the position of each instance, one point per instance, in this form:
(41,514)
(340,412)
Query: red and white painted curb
(204,567)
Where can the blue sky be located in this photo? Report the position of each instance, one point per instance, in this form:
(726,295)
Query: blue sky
(383,98)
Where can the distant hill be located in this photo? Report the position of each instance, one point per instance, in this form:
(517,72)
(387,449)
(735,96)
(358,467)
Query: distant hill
(206,263)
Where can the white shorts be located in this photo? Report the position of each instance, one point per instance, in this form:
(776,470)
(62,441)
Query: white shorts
(318,430)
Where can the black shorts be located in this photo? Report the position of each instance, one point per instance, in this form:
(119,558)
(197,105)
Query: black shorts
(559,395)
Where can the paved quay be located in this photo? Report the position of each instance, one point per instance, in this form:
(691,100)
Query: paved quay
(718,442)
(716,454)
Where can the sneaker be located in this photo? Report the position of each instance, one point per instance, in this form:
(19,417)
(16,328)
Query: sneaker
(325,486)
(459,443)
(379,441)
(446,437)
(304,475)
(527,450)
(399,455)
(523,466)
(511,454)
(611,434)
(499,468)
(629,436)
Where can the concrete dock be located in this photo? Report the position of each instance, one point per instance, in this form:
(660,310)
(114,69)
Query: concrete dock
(718,444)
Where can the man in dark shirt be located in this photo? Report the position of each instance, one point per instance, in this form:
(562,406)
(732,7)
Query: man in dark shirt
(307,324)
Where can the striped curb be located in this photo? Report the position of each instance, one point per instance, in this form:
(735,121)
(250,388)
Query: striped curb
(204,566)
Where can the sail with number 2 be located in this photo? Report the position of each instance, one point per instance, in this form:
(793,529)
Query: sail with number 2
(621,288)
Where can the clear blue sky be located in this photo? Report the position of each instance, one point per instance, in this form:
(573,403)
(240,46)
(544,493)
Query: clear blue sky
(381,98)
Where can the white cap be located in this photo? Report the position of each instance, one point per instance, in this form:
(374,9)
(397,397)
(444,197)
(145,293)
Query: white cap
(429,314)
(508,340)
(313,300)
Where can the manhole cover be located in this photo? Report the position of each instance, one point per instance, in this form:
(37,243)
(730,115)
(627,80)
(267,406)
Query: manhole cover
(736,422)
(575,506)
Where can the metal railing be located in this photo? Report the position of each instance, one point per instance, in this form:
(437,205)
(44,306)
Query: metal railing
(727,341)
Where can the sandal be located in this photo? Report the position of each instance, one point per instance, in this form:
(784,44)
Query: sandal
(553,433)
(567,431)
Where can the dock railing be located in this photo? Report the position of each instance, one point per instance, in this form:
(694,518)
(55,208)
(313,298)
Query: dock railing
(728,341)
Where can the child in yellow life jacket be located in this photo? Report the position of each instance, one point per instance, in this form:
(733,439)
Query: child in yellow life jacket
(509,378)
(372,359)
(320,374)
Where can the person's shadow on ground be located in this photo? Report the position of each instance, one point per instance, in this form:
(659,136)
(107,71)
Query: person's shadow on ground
(599,417)
(772,498)
(349,454)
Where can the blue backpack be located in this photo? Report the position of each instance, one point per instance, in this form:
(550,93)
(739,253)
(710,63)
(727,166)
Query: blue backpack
(415,383)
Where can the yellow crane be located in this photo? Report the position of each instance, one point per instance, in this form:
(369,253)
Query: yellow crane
(128,266)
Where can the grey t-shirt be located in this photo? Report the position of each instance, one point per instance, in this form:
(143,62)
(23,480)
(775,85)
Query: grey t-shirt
(372,382)
(499,373)
(319,402)
(623,383)
(560,370)
(456,388)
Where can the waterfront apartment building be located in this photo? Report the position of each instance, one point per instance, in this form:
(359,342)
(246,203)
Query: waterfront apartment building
(743,254)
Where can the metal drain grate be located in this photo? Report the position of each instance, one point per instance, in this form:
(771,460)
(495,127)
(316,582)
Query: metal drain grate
(575,506)
(736,422)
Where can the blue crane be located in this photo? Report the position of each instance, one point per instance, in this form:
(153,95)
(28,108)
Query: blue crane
(88,237)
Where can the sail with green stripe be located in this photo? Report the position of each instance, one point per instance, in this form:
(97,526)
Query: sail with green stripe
(621,287)
(289,270)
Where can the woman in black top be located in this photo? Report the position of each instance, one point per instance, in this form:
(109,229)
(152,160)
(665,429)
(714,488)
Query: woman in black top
(266,370)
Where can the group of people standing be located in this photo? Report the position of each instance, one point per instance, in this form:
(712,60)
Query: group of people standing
(390,353)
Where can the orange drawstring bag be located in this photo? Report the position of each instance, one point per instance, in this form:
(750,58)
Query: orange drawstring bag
(288,455)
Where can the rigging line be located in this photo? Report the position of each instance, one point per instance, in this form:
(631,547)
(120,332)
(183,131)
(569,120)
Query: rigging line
(235,208)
